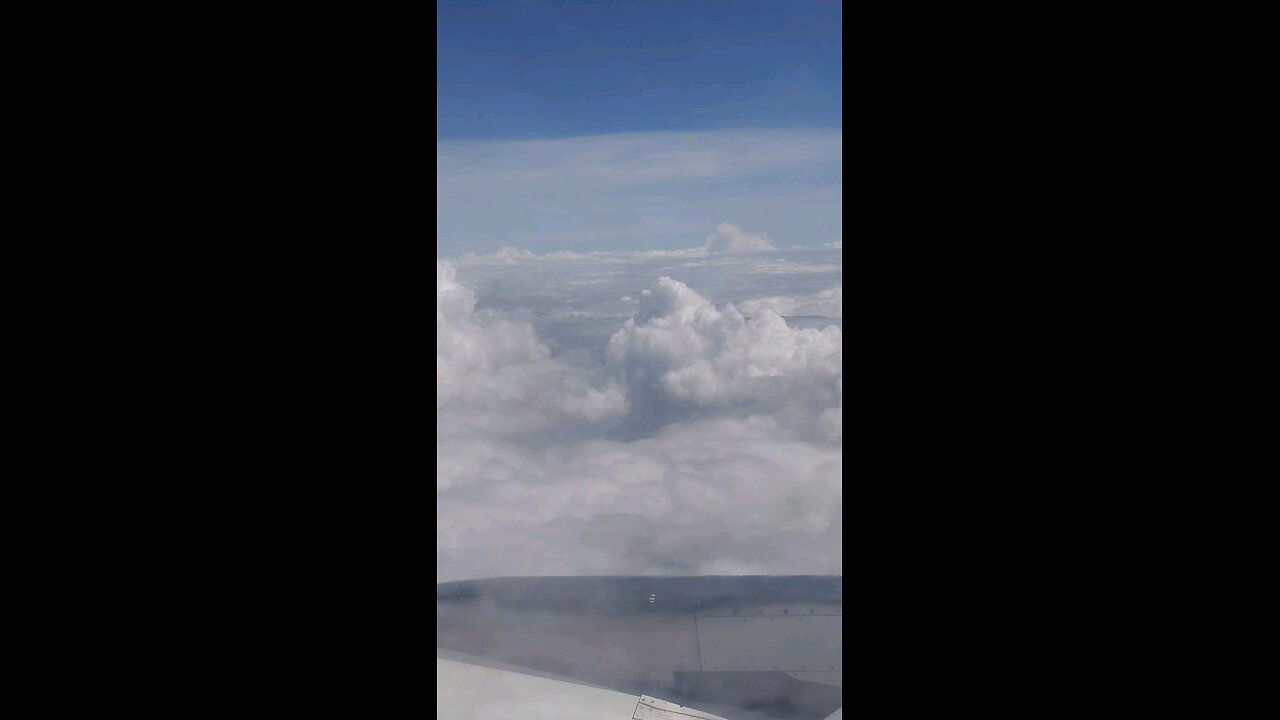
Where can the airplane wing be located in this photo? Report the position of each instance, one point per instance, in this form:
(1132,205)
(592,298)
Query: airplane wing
(712,648)
(465,691)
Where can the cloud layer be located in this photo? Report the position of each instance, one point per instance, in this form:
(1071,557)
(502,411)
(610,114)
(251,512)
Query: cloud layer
(657,431)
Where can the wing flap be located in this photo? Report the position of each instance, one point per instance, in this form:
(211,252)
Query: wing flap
(651,708)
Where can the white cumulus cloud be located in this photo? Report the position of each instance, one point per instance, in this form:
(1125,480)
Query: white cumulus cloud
(681,351)
(731,238)
(493,376)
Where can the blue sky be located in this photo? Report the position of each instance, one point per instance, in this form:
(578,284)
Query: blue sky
(732,108)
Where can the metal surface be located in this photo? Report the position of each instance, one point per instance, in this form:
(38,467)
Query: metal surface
(651,708)
(472,692)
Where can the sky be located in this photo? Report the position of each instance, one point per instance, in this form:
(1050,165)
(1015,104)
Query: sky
(541,69)
(639,288)
(636,125)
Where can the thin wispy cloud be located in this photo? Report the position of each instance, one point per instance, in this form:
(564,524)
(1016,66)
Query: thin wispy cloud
(637,190)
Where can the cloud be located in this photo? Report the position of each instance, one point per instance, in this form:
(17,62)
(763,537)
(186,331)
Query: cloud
(667,433)
(493,376)
(542,290)
(465,346)
(730,238)
(509,255)
(682,352)
(833,244)
(636,191)
(727,238)
(697,498)
(827,303)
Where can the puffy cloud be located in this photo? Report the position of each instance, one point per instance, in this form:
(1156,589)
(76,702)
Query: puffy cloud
(465,347)
(510,255)
(833,244)
(730,238)
(494,376)
(666,435)
(680,351)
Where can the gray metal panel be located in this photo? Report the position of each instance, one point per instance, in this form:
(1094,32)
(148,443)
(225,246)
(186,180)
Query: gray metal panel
(651,708)
(787,643)
(471,692)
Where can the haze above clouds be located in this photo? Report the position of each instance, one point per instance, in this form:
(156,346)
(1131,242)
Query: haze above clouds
(637,191)
(670,412)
